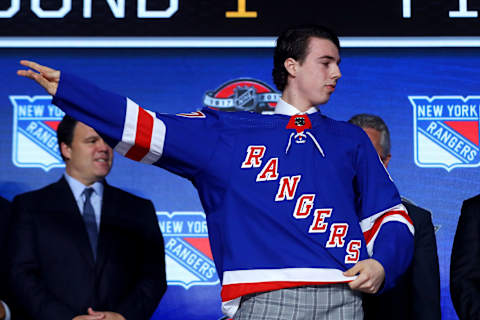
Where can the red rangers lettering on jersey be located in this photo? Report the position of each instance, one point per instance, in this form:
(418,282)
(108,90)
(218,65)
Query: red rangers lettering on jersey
(338,231)
(254,156)
(353,250)
(269,171)
(318,225)
(304,206)
(287,188)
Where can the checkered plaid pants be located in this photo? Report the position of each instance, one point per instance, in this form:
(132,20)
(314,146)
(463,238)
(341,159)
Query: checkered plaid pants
(328,302)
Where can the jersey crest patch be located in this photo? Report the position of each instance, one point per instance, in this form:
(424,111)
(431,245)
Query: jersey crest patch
(243,95)
(188,256)
(195,114)
(35,122)
(446,131)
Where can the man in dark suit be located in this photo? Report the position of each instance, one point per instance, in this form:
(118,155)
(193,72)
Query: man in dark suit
(82,249)
(4,227)
(465,262)
(417,293)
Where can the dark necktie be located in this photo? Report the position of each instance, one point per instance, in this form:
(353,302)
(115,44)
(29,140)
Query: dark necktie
(90,221)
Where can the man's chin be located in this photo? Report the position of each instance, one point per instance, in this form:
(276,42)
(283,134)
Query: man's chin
(322,101)
(101,174)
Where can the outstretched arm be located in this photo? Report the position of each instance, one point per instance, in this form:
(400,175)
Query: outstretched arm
(47,77)
(132,131)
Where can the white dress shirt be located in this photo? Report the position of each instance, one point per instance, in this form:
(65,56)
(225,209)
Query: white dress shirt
(96,198)
(289,110)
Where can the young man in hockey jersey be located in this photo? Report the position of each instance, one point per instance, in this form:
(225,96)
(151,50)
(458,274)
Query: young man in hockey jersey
(321,216)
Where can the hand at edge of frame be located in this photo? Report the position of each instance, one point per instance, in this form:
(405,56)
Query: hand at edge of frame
(47,77)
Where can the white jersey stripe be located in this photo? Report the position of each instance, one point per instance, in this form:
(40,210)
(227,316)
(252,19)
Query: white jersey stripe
(130,131)
(157,142)
(367,224)
(395,218)
(129,128)
(287,274)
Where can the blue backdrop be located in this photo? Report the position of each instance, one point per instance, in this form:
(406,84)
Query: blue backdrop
(377,81)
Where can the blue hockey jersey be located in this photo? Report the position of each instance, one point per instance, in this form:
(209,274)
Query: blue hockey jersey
(284,207)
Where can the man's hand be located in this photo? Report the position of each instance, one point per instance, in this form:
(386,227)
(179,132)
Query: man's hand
(2,311)
(47,77)
(90,317)
(370,276)
(108,314)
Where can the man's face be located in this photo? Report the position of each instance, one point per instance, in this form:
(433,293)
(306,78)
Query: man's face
(375,137)
(316,77)
(88,158)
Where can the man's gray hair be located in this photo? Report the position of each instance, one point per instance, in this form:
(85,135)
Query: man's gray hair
(365,120)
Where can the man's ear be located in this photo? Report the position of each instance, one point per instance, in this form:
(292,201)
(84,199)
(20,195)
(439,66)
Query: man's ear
(290,65)
(65,150)
(386,160)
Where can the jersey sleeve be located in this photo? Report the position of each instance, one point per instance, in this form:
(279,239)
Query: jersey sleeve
(387,228)
(181,143)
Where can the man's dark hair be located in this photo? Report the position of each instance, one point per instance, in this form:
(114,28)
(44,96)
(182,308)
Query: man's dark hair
(65,132)
(293,43)
(365,120)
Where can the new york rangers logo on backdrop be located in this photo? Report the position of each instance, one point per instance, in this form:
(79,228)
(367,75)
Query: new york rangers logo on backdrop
(35,121)
(188,256)
(446,131)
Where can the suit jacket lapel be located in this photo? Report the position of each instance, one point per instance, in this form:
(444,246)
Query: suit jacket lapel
(71,219)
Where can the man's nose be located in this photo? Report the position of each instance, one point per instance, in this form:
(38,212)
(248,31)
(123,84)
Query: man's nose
(102,145)
(336,74)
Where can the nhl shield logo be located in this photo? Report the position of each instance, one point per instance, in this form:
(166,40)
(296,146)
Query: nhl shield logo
(243,95)
(35,121)
(299,122)
(188,256)
(446,131)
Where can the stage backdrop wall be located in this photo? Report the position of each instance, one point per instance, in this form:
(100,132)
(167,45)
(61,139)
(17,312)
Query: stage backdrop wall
(416,91)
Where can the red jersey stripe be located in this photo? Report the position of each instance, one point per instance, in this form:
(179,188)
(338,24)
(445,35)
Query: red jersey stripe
(369,234)
(232,291)
(143,136)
